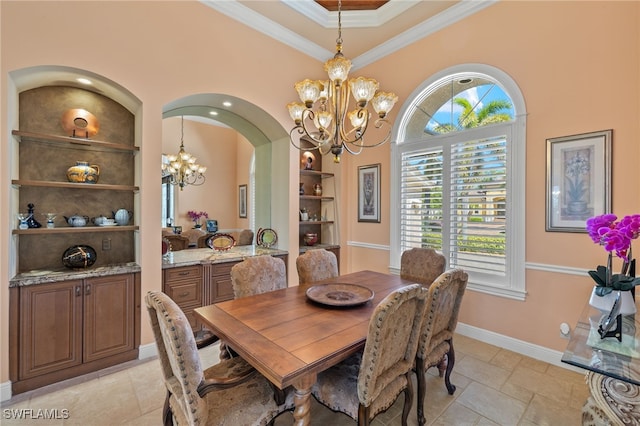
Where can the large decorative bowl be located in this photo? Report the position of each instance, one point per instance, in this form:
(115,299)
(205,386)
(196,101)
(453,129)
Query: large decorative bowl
(79,257)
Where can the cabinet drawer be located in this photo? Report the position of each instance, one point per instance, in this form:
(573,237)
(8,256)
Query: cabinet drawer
(186,292)
(174,274)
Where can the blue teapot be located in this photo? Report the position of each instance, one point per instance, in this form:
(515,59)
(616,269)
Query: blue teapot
(77,220)
(122,217)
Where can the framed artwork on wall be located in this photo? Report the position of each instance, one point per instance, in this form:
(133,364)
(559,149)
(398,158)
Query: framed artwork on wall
(242,201)
(578,180)
(369,193)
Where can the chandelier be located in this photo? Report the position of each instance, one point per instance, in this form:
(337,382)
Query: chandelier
(320,117)
(182,167)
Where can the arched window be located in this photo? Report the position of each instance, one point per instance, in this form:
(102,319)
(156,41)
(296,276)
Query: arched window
(458,177)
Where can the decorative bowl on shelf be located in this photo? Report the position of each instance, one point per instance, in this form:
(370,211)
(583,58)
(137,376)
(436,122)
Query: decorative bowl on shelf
(80,123)
(310,238)
(79,256)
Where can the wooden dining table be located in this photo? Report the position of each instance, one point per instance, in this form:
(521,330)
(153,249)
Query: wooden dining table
(290,339)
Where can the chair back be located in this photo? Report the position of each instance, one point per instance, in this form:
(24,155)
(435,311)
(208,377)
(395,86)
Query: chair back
(202,240)
(316,265)
(392,341)
(177,242)
(421,265)
(258,274)
(441,314)
(245,237)
(178,355)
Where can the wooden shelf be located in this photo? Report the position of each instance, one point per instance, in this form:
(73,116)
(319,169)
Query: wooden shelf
(315,197)
(315,222)
(81,143)
(323,175)
(74,230)
(74,185)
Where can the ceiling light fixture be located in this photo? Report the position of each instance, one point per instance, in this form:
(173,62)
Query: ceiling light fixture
(182,168)
(325,127)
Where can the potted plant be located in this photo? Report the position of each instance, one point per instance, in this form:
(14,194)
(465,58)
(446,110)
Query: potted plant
(616,237)
(196,216)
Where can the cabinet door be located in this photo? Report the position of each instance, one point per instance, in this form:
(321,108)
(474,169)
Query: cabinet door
(221,288)
(50,328)
(109,322)
(184,286)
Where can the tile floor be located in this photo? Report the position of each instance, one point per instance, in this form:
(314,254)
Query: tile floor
(494,387)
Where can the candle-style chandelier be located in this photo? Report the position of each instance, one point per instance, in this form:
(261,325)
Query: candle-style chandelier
(182,168)
(324,125)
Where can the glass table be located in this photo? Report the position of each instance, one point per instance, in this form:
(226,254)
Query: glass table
(613,368)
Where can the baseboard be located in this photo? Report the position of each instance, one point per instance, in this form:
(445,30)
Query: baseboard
(519,346)
(149,350)
(5,391)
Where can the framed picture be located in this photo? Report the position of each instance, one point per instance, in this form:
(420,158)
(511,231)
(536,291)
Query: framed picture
(212,225)
(369,193)
(578,180)
(242,200)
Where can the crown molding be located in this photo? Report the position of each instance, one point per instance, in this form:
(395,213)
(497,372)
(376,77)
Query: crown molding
(351,18)
(258,22)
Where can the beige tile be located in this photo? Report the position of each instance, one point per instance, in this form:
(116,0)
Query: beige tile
(456,414)
(533,364)
(482,372)
(475,348)
(492,404)
(548,411)
(540,383)
(506,359)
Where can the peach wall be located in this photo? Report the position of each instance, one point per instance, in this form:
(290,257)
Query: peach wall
(579,71)
(576,63)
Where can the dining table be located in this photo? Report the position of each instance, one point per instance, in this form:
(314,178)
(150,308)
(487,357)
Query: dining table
(292,334)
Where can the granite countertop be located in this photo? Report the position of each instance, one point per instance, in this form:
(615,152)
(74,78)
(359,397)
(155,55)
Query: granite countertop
(42,276)
(200,256)
(303,248)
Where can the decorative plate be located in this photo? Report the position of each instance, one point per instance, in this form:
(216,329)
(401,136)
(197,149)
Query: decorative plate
(80,123)
(221,242)
(266,237)
(340,294)
(166,246)
(107,224)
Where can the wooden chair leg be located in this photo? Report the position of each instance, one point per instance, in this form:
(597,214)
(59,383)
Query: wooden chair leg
(451,360)
(167,414)
(422,384)
(408,400)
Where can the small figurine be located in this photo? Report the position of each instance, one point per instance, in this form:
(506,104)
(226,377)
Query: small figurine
(309,164)
(31,221)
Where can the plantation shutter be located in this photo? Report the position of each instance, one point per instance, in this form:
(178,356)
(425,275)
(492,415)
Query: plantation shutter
(478,195)
(468,223)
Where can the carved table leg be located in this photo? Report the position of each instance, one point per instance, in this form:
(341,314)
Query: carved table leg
(612,402)
(302,411)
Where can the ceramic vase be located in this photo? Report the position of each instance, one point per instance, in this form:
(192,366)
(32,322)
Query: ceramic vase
(82,172)
(605,303)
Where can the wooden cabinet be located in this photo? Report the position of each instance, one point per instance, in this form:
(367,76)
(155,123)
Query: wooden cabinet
(69,328)
(319,208)
(184,286)
(221,288)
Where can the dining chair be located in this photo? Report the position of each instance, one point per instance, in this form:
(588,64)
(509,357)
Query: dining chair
(255,275)
(370,381)
(436,339)
(245,237)
(178,242)
(202,240)
(316,265)
(230,392)
(258,274)
(421,265)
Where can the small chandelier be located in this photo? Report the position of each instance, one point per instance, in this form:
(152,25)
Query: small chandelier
(324,126)
(182,168)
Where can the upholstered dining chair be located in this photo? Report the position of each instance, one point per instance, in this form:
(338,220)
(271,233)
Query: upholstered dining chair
(421,265)
(436,339)
(369,382)
(177,242)
(258,274)
(230,392)
(202,240)
(245,237)
(316,265)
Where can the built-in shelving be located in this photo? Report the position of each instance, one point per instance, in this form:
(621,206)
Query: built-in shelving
(80,143)
(74,230)
(73,185)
